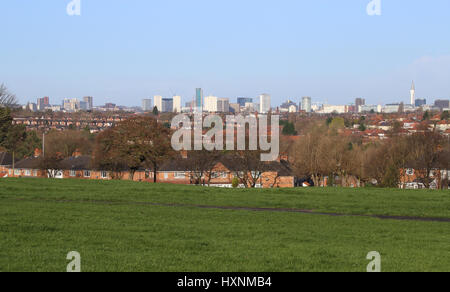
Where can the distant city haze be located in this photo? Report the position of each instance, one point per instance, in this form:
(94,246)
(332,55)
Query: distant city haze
(122,52)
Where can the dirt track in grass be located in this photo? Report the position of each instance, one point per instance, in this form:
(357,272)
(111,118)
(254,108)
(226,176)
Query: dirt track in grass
(253,209)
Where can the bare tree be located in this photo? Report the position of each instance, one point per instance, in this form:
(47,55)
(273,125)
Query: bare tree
(426,155)
(136,142)
(249,167)
(311,156)
(200,165)
(6,98)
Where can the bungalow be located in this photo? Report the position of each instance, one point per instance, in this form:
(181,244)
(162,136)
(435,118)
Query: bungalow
(411,178)
(274,174)
(28,167)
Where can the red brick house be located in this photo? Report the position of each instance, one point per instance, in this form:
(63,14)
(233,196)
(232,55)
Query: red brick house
(277,174)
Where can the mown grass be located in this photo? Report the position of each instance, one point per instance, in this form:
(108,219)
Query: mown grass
(42,220)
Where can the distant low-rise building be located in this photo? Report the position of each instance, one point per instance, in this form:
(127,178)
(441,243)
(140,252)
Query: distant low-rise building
(442,104)
(391,108)
(420,102)
(329,109)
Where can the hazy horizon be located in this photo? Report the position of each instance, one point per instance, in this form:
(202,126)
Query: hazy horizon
(125,51)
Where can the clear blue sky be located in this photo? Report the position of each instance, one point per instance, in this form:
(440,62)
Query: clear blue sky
(122,51)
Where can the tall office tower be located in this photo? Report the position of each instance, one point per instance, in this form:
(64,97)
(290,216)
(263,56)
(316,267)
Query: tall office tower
(211,104)
(90,102)
(167,105)
(158,102)
(42,103)
(83,106)
(264,104)
(359,102)
(71,105)
(413,94)
(177,104)
(223,105)
(243,100)
(147,105)
(306,104)
(198,100)
(420,102)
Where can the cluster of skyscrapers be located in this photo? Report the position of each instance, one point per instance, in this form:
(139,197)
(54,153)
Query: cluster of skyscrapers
(261,104)
(69,105)
(209,103)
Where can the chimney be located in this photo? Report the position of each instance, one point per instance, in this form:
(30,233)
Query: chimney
(37,152)
(283,156)
(77,153)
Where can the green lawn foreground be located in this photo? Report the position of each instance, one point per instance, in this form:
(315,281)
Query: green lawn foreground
(42,220)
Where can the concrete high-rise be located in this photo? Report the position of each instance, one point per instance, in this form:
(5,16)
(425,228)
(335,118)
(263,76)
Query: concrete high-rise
(177,104)
(211,104)
(359,102)
(43,103)
(147,105)
(167,105)
(306,104)
(214,104)
(90,102)
(265,104)
(158,102)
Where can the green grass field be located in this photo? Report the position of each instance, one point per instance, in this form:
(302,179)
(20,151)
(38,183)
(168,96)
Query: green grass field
(126,226)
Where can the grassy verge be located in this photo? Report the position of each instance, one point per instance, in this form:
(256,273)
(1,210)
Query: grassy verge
(36,235)
(420,203)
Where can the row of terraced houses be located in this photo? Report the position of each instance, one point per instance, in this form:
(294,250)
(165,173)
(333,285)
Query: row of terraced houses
(277,174)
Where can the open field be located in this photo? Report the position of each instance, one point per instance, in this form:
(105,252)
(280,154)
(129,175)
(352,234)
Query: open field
(126,226)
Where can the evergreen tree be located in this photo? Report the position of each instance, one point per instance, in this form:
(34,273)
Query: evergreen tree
(155,111)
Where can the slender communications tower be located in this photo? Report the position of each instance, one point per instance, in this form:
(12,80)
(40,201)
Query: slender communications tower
(413,94)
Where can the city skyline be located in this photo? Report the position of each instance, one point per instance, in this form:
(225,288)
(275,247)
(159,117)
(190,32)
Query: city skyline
(199,96)
(124,52)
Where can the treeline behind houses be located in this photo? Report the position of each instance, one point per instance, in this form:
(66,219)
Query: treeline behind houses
(322,154)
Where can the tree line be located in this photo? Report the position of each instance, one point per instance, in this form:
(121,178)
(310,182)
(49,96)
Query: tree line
(324,152)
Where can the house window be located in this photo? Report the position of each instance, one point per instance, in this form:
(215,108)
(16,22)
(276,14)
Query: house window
(104,174)
(256,173)
(166,175)
(27,172)
(73,173)
(219,175)
(35,173)
(16,171)
(239,174)
(10,172)
(148,174)
(179,175)
(410,171)
(87,173)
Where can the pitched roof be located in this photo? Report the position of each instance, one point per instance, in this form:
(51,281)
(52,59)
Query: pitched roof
(282,167)
(28,163)
(82,162)
(5,158)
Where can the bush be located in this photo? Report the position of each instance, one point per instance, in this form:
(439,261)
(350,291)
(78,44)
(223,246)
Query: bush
(235,183)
